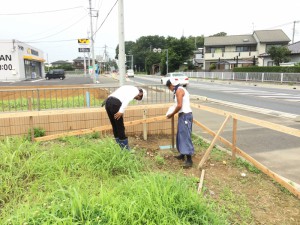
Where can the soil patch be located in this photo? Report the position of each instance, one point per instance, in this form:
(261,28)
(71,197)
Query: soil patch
(247,195)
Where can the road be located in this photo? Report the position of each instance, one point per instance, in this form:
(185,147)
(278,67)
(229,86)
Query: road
(277,104)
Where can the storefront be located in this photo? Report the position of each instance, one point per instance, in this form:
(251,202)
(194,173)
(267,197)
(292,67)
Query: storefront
(20,61)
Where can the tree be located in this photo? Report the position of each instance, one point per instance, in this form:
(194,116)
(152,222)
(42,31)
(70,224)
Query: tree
(279,54)
(220,34)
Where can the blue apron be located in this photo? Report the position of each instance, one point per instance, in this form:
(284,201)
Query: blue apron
(184,134)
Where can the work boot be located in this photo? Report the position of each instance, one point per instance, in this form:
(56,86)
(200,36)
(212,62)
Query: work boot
(117,140)
(188,163)
(179,157)
(124,144)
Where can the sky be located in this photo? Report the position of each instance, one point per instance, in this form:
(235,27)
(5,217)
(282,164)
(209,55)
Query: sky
(55,26)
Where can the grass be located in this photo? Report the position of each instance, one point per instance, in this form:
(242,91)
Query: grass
(21,104)
(85,180)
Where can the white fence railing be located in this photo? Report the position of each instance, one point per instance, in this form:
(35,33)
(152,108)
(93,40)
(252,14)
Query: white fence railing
(242,76)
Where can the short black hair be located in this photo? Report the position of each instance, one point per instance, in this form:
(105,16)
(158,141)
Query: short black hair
(141,91)
(168,83)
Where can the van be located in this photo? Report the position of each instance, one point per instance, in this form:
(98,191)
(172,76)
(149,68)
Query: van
(56,73)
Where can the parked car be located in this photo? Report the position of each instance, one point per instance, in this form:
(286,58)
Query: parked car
(56,73)
(130,73)
(182,79)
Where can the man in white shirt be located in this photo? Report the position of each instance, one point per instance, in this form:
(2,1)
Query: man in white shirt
(115,106)
(185,121)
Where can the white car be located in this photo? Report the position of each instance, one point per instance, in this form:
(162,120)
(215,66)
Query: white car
(130,73)
(182,79)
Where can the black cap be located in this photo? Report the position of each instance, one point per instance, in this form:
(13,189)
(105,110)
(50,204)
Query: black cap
(168,83)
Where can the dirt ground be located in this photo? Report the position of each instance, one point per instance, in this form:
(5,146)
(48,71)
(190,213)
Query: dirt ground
(262,200)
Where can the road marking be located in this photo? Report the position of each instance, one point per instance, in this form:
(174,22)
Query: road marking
(250,92)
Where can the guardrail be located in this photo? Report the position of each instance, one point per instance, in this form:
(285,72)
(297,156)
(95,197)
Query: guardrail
(292,78)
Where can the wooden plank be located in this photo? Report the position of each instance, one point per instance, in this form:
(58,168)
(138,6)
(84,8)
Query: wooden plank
(269,172)
(201,181)
(261,123)
(234,130)
(266,124)
(255,163)
(78,111)
(204,158)
(102,128)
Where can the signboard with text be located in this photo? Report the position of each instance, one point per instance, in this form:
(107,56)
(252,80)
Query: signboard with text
(83,49)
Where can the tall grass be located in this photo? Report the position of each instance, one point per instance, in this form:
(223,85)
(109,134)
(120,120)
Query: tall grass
(80,180)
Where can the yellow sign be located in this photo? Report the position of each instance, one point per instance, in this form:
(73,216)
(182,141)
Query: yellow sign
(84,41)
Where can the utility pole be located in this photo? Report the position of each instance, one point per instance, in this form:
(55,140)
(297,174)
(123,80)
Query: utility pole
(92,42)
(294,30)
(121,43)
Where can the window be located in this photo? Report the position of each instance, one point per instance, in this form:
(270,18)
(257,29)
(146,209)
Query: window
(248,48)
(215,49)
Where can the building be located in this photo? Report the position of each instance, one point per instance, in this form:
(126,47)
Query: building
(227,52)
(20,61)
(198,59)
(295,52)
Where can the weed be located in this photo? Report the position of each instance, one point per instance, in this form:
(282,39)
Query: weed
(160,160)
(237,205)
(37,132)
(244,164)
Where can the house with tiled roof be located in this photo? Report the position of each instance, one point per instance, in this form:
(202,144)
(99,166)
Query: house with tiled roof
(227,52)
(295,51)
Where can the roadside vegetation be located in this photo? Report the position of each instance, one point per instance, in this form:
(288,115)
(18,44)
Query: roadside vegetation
(83,180)
(90,180)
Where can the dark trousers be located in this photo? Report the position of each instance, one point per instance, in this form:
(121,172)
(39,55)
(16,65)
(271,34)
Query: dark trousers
(112,106)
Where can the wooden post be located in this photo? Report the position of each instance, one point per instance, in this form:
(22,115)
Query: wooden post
(31,128)
(201,181)
(173,132)
(203,160)
(145,125)
(29,100)
(234,129)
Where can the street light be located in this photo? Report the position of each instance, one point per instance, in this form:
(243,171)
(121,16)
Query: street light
(159,51)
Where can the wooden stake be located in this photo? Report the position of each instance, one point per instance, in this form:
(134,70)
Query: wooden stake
(201,181)
(203,160)
(234,128)
(145,125)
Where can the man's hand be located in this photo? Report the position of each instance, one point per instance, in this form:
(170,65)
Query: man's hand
(169,116)
(118,115)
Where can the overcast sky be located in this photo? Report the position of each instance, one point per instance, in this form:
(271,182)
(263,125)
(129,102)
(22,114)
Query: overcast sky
(54,26)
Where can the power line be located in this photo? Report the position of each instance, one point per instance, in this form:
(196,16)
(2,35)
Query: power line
(61,30)
(106,17)
(29,13)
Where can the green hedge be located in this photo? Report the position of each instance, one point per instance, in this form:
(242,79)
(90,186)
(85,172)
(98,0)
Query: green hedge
(274,69)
